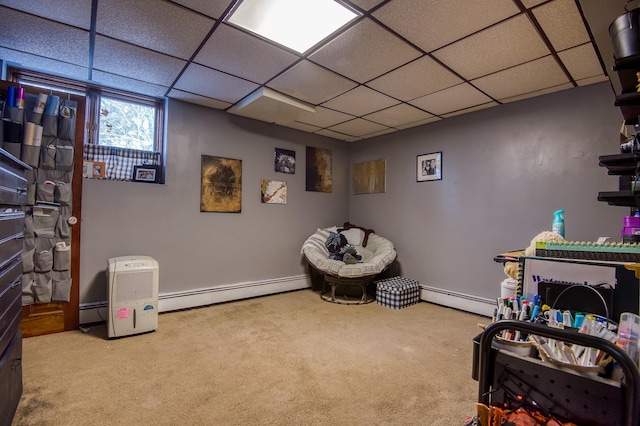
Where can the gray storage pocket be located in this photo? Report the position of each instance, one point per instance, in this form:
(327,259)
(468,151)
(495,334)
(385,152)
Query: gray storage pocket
(44,222)
(45,191)
(27,260)
(43,260)
(61,281)
(50,125)
(62,258)
(31,155)
(28,225)
(62,193)
(48,156)
(42,288)
(64,158)
(27,289)
(16,114)
(62,228)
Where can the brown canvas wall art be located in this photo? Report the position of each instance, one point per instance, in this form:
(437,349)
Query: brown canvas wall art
(221,184)
(369,177)
(318,170)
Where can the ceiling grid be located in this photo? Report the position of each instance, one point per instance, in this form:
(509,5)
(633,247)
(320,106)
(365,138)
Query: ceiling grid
(402,63)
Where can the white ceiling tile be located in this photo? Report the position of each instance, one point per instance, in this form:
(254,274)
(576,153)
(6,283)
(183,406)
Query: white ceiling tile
(38,36)
(160,26)
(358,127)
(380,133)
(360,101)
(431,24)
(197,99)
(562,23)
(452,99)
(213,8)
(45,65)
(507,44)
(541,92)
(302,126)
(592,80)
(324,117)
(334,135)
(398,115)
(238,53)
(417,78)
(214,84)
(419,123)
(531,3)
(581,62)
(472,109)
(366,4)
(364,52)
(71,12)
(530,77)
(311,83)
(128,84)
(124,59)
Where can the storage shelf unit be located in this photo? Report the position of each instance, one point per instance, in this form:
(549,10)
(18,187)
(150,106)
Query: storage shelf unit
(625,165)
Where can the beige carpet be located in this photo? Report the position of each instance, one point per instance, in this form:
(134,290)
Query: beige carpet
(286,359)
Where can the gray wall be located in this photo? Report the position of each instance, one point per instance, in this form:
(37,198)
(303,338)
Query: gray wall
(201,250)
(505,171)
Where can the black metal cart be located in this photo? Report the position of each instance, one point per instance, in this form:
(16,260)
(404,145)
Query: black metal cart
(511,381)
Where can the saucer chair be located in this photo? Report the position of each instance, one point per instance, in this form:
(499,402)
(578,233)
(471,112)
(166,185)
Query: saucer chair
(378,255)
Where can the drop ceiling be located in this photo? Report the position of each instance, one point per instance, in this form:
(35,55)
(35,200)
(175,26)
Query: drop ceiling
(403,63)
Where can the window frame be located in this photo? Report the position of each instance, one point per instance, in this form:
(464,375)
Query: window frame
(93,93)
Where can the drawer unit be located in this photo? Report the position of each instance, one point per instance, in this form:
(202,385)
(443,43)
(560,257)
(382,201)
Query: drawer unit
(13,184)
(10,302)
(10,380)
(13,196)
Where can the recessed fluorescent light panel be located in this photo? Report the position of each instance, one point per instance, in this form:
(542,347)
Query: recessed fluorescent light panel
(296,24)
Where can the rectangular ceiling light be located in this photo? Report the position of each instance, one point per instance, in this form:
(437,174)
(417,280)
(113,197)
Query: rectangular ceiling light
(296,24)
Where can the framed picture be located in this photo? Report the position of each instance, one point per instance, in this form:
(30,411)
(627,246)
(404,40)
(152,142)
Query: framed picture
(145,173)
(94,169)
(285,161)
(429,167)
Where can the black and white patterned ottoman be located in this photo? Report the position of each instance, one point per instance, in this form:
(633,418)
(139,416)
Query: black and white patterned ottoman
(397,292)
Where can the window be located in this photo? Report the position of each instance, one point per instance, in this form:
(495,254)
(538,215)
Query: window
(126,124)
(123,129)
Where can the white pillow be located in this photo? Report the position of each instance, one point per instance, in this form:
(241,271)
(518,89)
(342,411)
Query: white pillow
(354,236)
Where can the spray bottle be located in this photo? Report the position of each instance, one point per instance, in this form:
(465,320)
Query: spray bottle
(558,223)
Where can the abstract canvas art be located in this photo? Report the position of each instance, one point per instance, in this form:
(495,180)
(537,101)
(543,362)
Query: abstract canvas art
(221,184)
(273,192)
(318,170)
(369,177)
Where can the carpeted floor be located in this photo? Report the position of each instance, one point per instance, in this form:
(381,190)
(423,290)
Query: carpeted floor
(286,359)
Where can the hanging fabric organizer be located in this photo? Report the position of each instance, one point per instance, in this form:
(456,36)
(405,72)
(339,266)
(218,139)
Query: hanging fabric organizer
(41,134)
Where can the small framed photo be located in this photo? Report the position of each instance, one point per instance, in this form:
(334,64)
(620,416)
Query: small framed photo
(285,161)
(429,167)
(94,169)
(145,174)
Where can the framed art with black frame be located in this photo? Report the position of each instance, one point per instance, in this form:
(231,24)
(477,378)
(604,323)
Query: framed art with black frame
(429,167)
(145,173)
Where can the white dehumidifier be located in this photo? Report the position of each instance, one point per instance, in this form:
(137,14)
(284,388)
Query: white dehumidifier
(132,285)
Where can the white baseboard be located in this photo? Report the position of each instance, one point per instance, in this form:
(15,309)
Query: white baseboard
(97,311)
(462,301)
